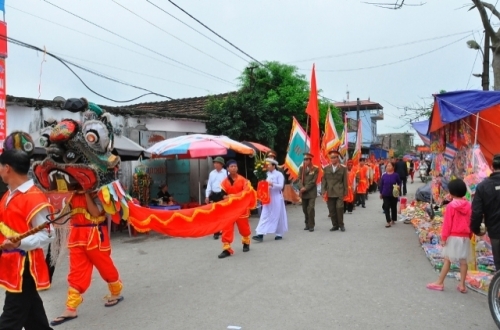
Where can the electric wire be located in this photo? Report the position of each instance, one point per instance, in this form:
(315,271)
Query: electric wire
(130,71)
(68,65)
(173,36)
(395,62)
(136,43)
(382,47)
(218,35)
(107,42)
(192,28)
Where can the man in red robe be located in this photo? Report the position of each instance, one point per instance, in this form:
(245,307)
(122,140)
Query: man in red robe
(233,184)
(23,271)
(362,178)
(351,182)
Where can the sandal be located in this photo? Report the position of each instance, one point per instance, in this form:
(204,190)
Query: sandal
(435,287)
(113,302)
(464,290)
(388,225)
(62,319)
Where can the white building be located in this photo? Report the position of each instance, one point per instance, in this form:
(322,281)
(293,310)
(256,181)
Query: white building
(145,124)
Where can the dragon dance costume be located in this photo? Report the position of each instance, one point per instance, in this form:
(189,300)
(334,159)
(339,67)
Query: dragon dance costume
(80,175)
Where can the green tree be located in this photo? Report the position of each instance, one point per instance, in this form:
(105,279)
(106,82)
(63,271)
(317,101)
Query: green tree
(262,109)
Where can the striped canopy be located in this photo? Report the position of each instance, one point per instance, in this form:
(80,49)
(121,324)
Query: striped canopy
(198,146)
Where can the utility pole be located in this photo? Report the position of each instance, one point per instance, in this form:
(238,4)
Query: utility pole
(486,62)
(357,117)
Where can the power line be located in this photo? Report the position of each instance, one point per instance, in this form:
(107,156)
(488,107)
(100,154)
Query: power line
(173,36)
(218,35)
(192,28)
(381,48)
(67,65)
(396,62)
(136,43)
(102,40)
(134,72)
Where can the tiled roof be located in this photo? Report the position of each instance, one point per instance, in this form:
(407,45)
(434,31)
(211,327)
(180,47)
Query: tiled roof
(187,109)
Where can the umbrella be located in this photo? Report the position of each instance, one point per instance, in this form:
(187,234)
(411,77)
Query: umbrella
(123,147)
(257,146)
(198,146)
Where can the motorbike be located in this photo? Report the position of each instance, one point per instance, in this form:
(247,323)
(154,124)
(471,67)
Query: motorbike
(494,298)
(422,171)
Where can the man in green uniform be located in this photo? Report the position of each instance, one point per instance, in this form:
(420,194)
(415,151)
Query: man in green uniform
(308,175)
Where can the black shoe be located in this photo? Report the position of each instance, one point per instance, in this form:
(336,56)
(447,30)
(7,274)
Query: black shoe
(224,254)
(216,235)
(311,230)
(307,228)
(342,228)
(334,229)
(246,247)
(277,238)
(363,206)
(258,238)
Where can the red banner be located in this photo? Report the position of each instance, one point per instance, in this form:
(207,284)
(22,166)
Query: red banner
(3,105)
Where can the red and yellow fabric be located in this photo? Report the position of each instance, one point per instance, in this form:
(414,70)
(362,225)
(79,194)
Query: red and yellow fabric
(263,192)
(16,220)
(351,176)
(376,172)
(89,246)
(363,179)
(86,230)
(242,222)
(196,222)
(82,262)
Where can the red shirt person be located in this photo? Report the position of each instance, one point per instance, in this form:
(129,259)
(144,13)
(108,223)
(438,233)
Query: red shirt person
(233,184)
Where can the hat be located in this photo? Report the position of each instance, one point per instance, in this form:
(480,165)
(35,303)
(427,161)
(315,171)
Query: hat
(21,141)
(334,151)
(231,162)
(308,155)
(219,160)
(271,161)
(272,153)
(350,162)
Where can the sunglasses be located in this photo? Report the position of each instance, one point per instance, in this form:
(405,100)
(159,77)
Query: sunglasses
(307,158)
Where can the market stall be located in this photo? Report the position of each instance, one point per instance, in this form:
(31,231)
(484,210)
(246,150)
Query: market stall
(463,135)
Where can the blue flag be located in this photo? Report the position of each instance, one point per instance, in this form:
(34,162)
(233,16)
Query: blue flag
(2,5)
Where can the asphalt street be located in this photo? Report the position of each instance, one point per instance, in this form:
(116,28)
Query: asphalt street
(369,277)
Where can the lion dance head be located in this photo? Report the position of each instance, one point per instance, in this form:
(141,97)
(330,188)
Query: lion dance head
(79,154)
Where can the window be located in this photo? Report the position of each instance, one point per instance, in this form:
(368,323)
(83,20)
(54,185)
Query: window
(398,143)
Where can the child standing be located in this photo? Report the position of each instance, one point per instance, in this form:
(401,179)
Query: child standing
(455,236)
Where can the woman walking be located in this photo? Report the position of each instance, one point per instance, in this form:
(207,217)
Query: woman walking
(389,182)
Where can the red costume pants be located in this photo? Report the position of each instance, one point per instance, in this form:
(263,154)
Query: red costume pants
(81,265)
(228,234)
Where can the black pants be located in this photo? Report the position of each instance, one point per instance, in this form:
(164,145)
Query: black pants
(495,248)
(51,267)
(216,197)
(348,207)
(24,309)
(403,185)
(361,199)
(308,205)
(390,207)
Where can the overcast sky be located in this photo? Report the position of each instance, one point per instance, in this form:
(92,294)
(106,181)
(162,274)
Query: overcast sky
(297,32)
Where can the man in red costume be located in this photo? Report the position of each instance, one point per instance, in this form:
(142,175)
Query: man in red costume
(362,179)
(351,186)
(23,270)
(233,184)
(89,246)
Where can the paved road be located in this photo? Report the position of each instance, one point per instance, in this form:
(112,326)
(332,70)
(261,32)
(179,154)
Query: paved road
(369,277)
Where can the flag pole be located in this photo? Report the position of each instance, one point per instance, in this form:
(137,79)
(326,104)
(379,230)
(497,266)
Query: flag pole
(305,150)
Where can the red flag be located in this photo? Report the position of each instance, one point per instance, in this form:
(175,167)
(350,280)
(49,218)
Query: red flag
(313,111)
